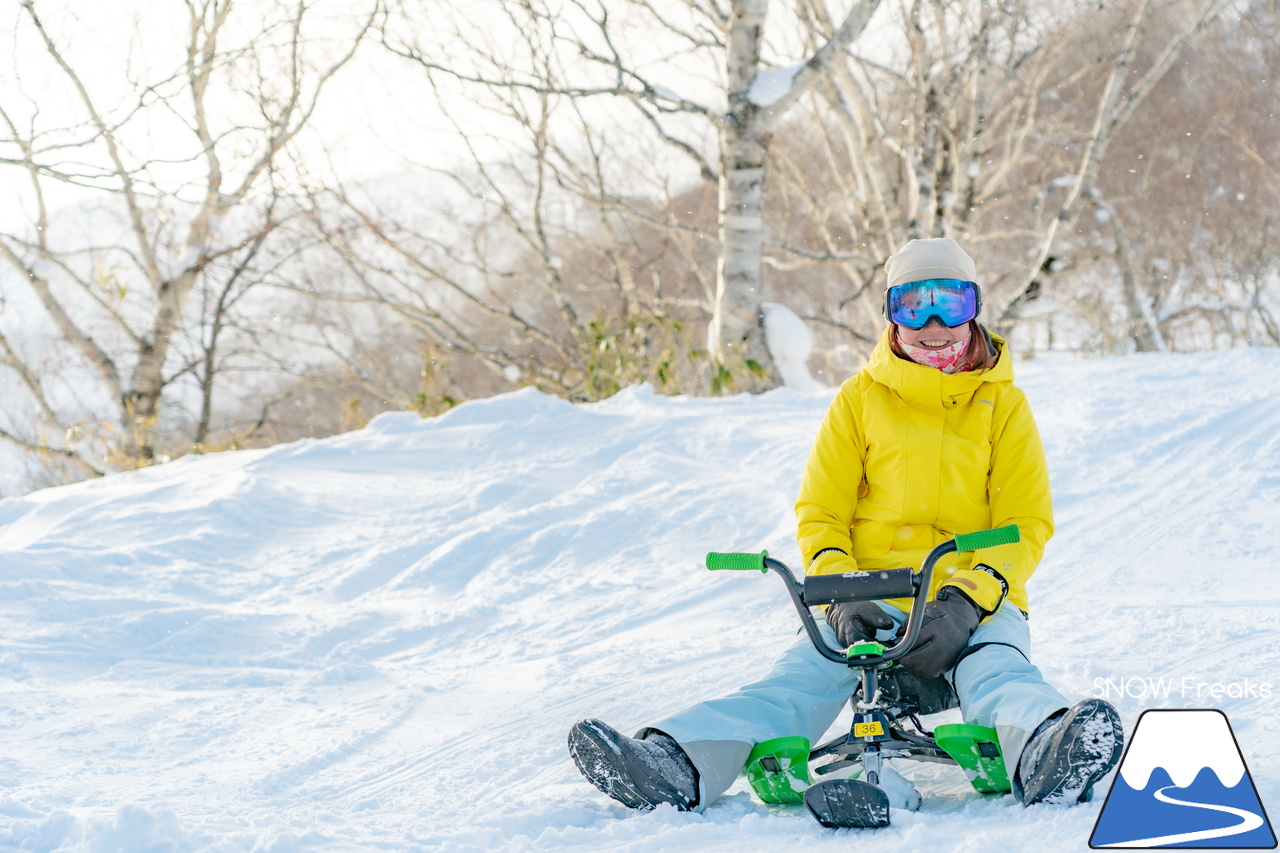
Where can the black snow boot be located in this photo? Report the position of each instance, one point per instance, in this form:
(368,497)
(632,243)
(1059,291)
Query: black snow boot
(1068,753)
(640,774)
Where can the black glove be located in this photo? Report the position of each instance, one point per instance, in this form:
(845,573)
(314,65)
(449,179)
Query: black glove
(949,622)
(856,621)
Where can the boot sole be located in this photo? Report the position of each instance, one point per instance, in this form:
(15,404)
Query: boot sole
(1097,738)
(603,758)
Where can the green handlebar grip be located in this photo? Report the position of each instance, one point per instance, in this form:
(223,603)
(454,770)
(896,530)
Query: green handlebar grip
(988,538)
(737,562)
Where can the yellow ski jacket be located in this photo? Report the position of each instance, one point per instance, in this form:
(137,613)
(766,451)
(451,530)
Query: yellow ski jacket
(908,456)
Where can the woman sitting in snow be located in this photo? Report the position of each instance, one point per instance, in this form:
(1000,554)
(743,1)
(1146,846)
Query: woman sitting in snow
(930,439)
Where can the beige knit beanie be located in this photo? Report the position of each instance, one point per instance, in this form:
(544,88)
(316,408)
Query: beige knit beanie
(940,257)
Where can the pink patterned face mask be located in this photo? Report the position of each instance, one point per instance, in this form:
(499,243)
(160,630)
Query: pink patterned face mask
(946,359)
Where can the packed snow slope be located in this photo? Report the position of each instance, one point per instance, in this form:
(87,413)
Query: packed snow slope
(379,641)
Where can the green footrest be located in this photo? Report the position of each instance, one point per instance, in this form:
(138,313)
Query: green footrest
(778,769)
(977,750)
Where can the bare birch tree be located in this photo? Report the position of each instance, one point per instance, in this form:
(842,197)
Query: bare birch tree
(1187,198)
(522,264)
(1120,99)
(598,56)
(982,125)
(189,159)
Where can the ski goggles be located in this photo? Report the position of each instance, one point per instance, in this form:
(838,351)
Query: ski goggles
(914,304)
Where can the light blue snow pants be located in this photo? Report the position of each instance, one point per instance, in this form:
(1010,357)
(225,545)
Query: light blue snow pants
(803,693)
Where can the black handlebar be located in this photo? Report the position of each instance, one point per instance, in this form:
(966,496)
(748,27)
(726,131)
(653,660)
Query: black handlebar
(863,587)
(914,619)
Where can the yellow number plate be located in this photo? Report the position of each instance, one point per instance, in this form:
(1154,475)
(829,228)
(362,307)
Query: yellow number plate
(867,729)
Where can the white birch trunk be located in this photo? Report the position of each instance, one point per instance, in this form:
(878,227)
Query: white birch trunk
(737,325)
(147,385)
(737,330)
(1144,327)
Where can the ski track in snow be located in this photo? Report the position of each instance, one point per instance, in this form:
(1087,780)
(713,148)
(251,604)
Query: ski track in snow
(379,641)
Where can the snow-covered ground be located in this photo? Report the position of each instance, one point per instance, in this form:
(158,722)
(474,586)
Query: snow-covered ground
(379,641)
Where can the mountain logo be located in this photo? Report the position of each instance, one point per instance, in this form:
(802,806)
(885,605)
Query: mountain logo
(1183,783)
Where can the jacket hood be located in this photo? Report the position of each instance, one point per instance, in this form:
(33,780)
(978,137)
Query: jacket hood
(929,388)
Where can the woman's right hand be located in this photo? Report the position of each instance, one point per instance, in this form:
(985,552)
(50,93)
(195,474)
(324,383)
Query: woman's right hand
(857,621)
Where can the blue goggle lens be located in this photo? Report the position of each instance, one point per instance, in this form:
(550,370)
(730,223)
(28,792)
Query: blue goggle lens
(952,301)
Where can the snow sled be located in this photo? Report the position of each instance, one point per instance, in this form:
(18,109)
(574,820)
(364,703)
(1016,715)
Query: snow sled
(887,704)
